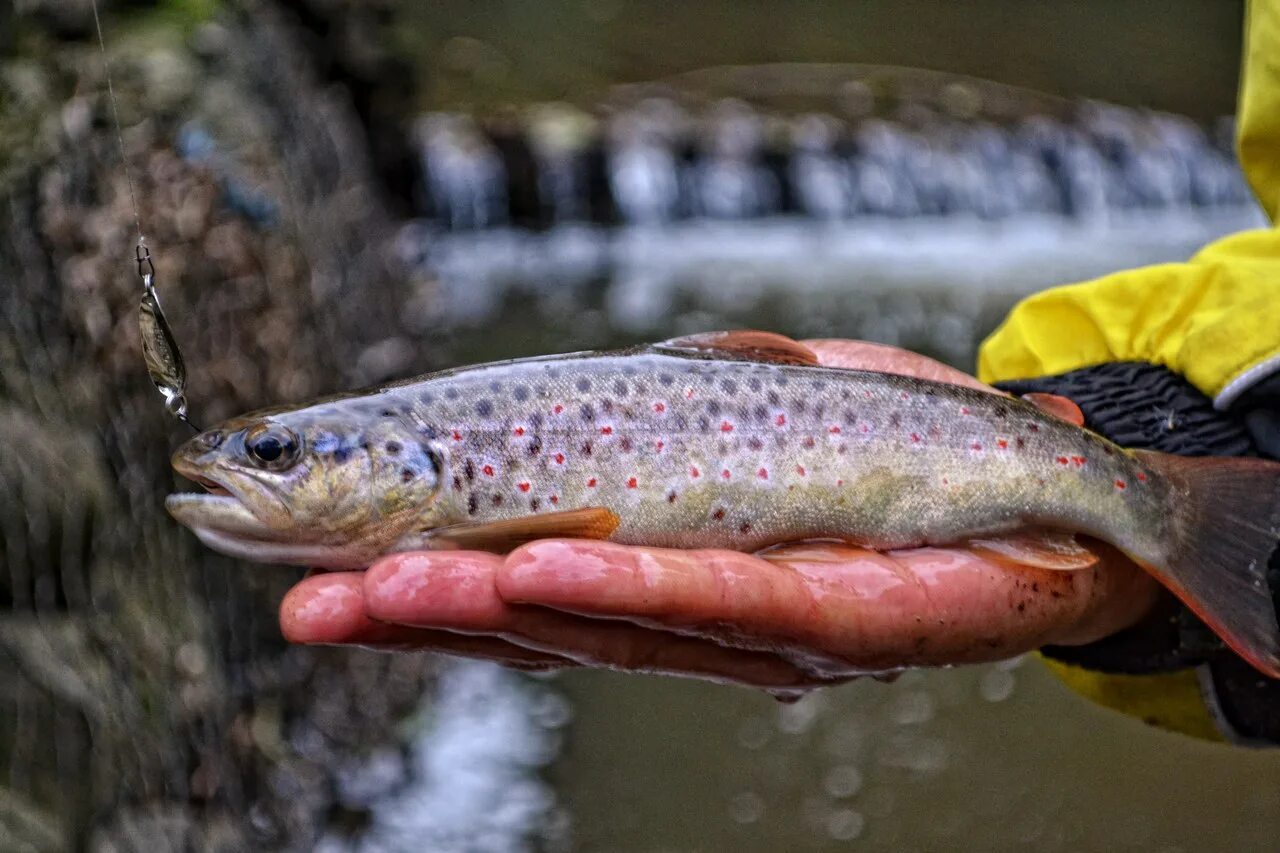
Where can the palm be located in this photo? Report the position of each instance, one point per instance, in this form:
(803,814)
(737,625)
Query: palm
(797,617)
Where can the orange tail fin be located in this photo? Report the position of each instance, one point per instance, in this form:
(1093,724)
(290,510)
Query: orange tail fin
(1226,523)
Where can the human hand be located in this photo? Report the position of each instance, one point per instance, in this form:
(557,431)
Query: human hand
(796,617)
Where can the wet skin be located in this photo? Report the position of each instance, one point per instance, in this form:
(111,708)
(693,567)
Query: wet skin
(797,617)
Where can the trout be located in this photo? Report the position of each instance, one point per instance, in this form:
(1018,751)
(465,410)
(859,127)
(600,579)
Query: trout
(734,440)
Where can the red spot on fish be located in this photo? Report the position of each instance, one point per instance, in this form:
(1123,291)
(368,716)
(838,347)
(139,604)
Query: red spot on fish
(1142,478)
(833,429)
(671,497)
(964,410)
(867,394)
(518,430)
(606,430)
(559,458)
(725,426)
(763,474)
(524,487)
(807,441)
(1033,427)
(945,481)
(591,484)
(554,499)
(977,445)
(906,396)
(865,428)
(632,483)
(694,473)
(659,407)
(457,436)
(1078,460)
(488,470)
(839,483)
(1062,460)
(1003,444)
(1120,484)
(558,409)
(780,420)
(800,470)
(745,528)
(725,474)
(688,393)
(718,514)
(659,445)
(915,436)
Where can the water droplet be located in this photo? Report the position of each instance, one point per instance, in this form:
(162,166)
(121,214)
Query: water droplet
(996,685)
(746,807)
(800,716)
(845,824)
(843,780)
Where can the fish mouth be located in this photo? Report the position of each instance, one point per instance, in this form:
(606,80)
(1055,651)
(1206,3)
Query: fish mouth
(224,522)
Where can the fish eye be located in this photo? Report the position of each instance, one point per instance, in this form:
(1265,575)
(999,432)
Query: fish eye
(272,447)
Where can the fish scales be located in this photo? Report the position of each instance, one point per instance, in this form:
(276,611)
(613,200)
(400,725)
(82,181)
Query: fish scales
(662,447)
(704,452)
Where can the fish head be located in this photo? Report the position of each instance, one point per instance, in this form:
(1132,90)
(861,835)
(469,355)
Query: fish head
(316,487)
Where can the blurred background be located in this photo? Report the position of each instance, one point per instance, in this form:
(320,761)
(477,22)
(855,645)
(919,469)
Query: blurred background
(341,192)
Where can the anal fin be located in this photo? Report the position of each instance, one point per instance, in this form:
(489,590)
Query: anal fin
(1041,549)
(747,345)
(508,534)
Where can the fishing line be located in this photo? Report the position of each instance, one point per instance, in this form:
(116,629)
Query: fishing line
(159,348)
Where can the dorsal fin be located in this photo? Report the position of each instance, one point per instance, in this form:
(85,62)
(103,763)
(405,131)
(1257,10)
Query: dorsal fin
(506,535)
(1059,407)
(745,344)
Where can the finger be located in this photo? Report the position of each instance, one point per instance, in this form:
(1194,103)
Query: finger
(872,611)
(457,591)
(328,609)
(862,355)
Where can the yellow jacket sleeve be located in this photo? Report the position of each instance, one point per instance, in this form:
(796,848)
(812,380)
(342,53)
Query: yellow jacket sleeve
(1214,319)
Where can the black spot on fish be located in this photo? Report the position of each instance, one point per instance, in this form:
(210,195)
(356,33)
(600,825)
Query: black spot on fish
(388,413)
(428,432)
(797,405)
(895,420)
(629,369)
(535,420)
(406,474)
(703,424)
(1020,442)
(753,383)
(497,500)
(625,444)
(451,393)
(620,388)
(535,446)
(781,379)
(587,413)
(342,454)
(1001,413)
(754,443)
(671,497)
(495,386)
(728,386)
(773,398)
(583,385)
(393,447)
(472,504)
(606,405)
(427,397)
(713,408)
(761,411)
(484,408)
(534,503)
(469,470)
(457,483)
(666,378)
(679,423)
(521,393)
(718,515)
(745,528)
(586,448)
(850,417)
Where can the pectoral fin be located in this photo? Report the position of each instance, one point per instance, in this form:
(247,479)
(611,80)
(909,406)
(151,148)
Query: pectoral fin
(508,534)
(747,345)
(1041,549)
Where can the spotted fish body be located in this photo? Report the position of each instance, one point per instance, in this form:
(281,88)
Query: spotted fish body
(695,452)
(709,448)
